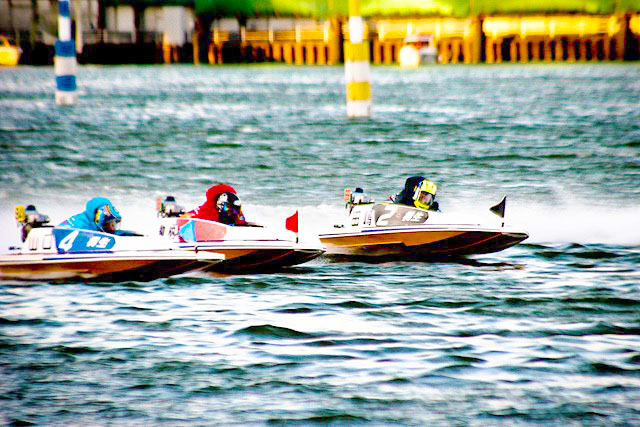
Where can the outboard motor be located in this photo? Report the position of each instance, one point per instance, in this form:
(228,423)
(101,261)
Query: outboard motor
(357,197)
(29,218)
(168,207)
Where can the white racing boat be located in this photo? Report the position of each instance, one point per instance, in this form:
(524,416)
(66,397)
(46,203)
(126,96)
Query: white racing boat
(55,253)
(395,230)
(246,248)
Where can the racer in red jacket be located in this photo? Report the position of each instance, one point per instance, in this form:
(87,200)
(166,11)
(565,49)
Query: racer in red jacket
(222,205)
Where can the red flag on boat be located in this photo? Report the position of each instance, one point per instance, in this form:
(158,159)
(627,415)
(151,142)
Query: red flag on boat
(292,222)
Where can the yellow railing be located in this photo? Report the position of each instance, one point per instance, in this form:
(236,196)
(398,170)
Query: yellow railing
(218,36)
(298,34)
(551,26)
(257,36)
(439,27)
(495,27)
(533,38)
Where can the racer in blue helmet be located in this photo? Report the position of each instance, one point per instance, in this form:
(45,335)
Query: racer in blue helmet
(99,215)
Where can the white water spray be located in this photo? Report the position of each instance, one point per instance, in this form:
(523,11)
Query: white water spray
(574,222)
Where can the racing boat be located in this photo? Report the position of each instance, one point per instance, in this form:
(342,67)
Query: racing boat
(55,253)
(395,230)
(246,248)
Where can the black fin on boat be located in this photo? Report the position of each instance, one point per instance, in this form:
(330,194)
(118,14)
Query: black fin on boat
(500,207)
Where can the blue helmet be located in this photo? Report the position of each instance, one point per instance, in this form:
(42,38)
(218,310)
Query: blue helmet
(107,218)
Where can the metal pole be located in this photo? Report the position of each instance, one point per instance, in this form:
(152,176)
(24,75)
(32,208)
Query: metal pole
(65,58)
(356,65)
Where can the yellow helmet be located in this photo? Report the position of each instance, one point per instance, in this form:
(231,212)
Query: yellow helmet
(424,194)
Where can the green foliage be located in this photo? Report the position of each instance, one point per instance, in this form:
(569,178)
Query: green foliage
(148,3)
(493,7)
(457,8)
(307,8)
(394,8)
(629,5)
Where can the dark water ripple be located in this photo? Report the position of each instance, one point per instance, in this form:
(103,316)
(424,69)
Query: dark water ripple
(546,333)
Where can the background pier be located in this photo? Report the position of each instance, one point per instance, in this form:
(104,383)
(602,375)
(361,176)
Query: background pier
(214,32)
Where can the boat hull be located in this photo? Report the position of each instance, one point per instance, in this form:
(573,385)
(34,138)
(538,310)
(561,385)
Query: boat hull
(256,258)
(264,260)
(246,249)
(387,229)
(66,254)
(421,243)
(110,270)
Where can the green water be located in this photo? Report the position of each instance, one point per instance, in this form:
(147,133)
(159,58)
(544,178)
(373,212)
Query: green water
(545,333)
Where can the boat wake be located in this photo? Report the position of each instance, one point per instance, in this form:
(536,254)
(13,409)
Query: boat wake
(569,223)
(580,224)
(546,224)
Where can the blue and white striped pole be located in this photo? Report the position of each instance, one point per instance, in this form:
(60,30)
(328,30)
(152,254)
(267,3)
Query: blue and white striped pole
(65,58)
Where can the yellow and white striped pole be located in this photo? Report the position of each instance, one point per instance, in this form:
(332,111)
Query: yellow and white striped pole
(356,65)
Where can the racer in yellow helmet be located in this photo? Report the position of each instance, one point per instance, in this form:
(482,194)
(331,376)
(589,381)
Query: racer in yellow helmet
(425,194)
(419,192)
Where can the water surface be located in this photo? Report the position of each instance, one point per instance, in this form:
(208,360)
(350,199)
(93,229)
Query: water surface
(546,333)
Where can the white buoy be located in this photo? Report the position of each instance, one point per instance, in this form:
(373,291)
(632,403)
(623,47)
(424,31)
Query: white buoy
(356,65)
(65,58)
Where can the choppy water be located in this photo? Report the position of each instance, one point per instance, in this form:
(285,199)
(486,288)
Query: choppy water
(546,333)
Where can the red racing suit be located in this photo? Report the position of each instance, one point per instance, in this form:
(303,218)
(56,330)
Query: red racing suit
(209,211)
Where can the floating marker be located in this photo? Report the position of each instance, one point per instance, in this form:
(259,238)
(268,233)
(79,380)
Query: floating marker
(65,58)
(356,65)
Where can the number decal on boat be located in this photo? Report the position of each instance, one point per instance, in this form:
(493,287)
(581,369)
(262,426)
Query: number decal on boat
(395,215)
(367,219)
(414,216)
(67,243)
(98,242)
(76,241)
(390,211)
(355,218)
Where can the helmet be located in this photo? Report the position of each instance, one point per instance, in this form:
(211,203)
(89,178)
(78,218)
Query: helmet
(228,206)
(107,219)
(424,194)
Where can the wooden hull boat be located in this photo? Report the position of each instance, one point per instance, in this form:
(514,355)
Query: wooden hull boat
(55,253)
(387,229)
(246,249)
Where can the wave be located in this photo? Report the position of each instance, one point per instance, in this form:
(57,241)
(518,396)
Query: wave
(579,223)
(270,331)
